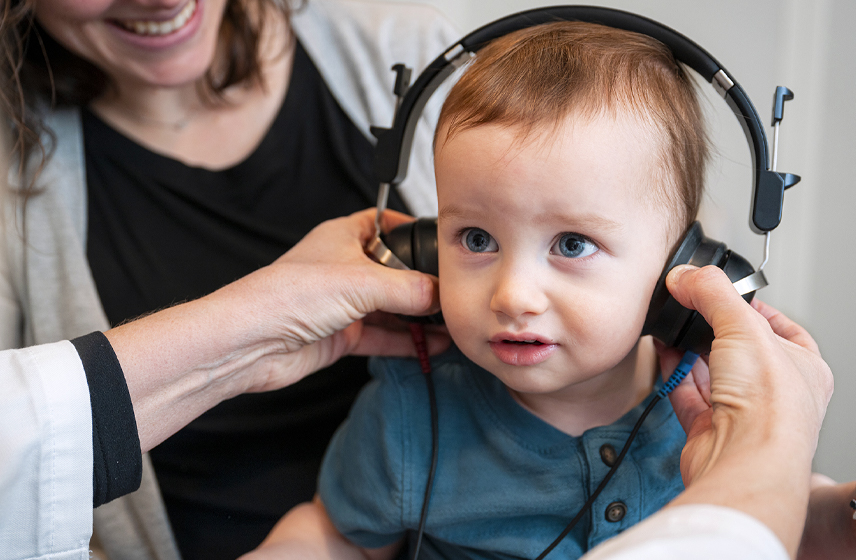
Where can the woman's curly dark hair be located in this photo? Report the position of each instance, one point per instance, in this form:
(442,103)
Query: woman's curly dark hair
(38,72)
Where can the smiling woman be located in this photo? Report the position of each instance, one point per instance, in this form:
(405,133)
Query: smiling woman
(165,149)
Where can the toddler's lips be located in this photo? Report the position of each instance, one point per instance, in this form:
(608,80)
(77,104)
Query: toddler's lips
(521,350)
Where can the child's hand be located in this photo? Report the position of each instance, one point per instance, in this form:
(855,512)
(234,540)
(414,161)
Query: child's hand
(830,529)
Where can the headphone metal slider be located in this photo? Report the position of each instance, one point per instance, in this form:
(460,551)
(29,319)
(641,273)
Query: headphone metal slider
(751,283)
(722,83)
(377,250)
(457,55)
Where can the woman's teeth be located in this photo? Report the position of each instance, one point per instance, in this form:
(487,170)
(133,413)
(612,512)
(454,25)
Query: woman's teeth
(141,27)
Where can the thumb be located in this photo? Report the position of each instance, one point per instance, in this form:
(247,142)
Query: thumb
(709,291)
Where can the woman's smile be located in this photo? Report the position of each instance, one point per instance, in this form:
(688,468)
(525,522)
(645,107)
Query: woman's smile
(138,43)
(162,27)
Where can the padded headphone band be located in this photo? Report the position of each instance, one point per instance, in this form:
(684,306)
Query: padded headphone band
(394,144)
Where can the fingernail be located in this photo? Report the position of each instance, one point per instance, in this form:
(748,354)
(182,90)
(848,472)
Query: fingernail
(680,270)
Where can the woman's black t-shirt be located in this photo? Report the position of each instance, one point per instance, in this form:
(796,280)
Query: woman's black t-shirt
(161,232)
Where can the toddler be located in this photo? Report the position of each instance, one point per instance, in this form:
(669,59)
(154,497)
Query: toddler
(569,160)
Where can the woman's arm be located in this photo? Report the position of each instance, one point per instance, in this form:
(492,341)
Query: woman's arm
(269,329)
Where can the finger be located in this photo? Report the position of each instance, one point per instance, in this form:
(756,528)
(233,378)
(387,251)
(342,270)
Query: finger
(377,341)
(688,403)
(786,328)
(709,291)
(312,357)
(386,321)
(405,292)
(392,219)
(669,359)
(361,224)
(701,377)
(686,399)
(339,238)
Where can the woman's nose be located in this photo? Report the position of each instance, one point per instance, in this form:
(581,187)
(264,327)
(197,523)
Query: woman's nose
(518,292)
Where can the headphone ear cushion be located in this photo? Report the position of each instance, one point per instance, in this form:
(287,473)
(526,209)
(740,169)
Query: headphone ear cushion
(425,258)
(400,241)
(415,244)
(669,321)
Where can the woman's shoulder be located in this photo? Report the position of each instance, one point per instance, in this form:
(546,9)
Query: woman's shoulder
(354,44)
(58,173)
(393,29)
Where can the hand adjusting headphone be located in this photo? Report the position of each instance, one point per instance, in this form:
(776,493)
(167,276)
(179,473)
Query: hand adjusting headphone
(414,245)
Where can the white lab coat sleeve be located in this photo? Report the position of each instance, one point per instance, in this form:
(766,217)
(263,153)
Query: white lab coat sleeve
(700,532)
(45,454)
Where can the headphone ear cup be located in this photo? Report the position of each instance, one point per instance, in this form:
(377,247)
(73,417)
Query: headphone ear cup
(399,241)
(415,244)
(425,258)
(672,323)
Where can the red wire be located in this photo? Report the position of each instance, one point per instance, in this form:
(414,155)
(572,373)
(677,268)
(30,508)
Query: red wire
(418,334)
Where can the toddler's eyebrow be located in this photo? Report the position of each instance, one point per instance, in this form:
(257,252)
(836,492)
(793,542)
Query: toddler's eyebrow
(450,211)
(561,219)
(582,221)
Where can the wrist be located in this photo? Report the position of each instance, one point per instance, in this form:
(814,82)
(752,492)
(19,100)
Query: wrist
(182,361)
(756,463)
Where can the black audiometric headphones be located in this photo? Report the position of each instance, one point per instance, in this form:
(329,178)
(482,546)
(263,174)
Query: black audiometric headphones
(414,245)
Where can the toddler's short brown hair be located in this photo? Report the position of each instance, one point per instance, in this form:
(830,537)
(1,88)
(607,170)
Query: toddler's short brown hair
(540,75)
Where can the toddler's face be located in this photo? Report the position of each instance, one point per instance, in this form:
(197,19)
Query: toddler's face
(549,250)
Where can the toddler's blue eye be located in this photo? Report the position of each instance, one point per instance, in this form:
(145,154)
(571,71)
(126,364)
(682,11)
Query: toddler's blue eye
(479,241)
(573,246)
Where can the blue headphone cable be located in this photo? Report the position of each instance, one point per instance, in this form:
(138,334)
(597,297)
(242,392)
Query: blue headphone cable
(681,371)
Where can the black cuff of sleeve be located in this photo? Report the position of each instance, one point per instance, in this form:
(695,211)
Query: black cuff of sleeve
(117,460)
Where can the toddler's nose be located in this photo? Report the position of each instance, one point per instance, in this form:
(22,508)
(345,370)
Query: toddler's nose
(518,293)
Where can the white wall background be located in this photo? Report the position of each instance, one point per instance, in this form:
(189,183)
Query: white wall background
(807,45)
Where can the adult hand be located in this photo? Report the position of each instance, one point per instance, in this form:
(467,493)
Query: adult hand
(270,328)
(752,410)
(332,287)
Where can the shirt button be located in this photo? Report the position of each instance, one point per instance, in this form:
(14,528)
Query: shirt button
(615,512)
(608,454)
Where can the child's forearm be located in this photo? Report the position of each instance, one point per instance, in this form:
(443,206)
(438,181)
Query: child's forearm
(306,533)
